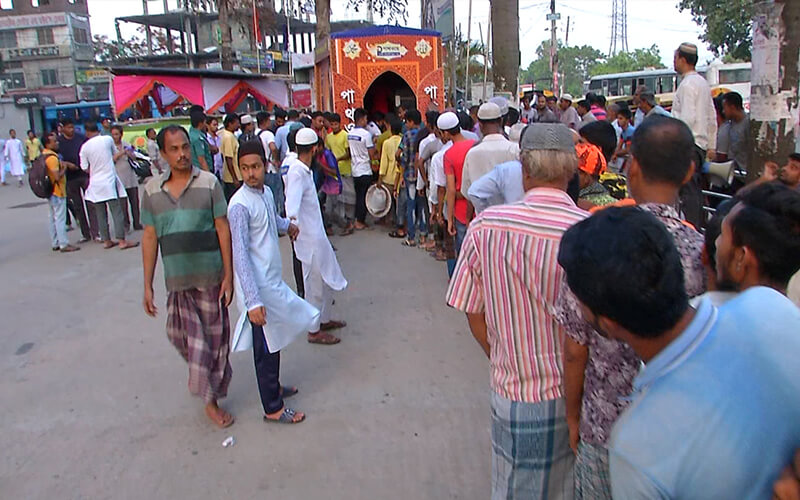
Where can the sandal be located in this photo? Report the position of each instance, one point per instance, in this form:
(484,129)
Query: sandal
(347,231)
(109,244)
(323,338)
(332,325)
(129,245)
(397,234)
(409,243)
(287,417)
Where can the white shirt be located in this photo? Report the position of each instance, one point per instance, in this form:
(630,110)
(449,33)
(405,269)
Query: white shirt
(501,186)
(258,272)
(570,118)
(426,163)
(13,152)
(373,129)
(438,178)
(312,246)
(97,157)
(694,106)
(639,116)
(266,137)
(360,142)
(493,150)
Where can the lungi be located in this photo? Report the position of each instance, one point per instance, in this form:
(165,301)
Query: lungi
(198,327)
(592,478)
(531,457)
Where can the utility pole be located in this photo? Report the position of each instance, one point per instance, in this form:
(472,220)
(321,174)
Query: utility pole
(469,44)
(566,36)
(774,87)
(553,17)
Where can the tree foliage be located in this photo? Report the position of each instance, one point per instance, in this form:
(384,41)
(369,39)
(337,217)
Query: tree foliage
(727,25)
(393,11)
(637,60)
(574,62)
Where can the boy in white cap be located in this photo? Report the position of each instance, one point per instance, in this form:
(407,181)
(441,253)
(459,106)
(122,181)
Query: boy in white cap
(493,150)
(321,272)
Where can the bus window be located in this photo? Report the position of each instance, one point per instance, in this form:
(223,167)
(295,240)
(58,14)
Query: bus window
(649,82)
(734,75)
(605,87)
(595,85)
(626,86)
(667,84)
(613,87)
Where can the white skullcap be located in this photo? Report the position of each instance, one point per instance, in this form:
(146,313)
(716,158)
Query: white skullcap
(489,111)
(502,103)
(447,121)
(245,119)
(306,137)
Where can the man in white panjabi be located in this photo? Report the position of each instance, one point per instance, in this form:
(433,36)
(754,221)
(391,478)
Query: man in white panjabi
(272,314)
(106,190)
(14,154)
(321,272)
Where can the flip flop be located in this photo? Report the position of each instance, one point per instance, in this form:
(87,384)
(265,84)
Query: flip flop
(409,243)
(332,325)
(129,245)
(110,244)
(287,417)
(396,234)
(323,338)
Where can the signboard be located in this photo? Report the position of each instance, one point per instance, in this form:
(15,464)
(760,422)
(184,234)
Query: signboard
(44,51)
(91,76)
(35,21)
(387,50)
(269,61)
(301,98)
(31,100)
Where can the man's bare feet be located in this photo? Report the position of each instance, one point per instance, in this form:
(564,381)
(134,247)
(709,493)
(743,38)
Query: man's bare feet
(125,244)
(359,226)
(109,244)
(219,416)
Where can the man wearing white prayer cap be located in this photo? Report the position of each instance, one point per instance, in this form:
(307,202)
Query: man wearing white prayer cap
(321,272)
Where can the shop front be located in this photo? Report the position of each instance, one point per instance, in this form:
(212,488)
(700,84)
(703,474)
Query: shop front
(381,68)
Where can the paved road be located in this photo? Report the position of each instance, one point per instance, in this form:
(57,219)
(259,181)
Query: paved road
(95,403)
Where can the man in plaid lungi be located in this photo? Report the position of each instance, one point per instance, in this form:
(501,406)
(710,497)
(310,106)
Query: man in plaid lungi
(184,213)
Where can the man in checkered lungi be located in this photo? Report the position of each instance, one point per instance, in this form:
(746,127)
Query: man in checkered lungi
(184,213)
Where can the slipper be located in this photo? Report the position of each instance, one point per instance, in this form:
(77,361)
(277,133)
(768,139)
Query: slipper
(397,234)
(347,231)
(287,417)
(222,424)
(323,338)
(409,243)
(129,245)
(287,392)
(110,244)
(332,325)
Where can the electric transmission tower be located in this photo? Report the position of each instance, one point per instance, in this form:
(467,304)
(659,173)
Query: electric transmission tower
(619,27)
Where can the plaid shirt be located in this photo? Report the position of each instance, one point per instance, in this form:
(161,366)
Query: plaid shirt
(409,154)
(508,268)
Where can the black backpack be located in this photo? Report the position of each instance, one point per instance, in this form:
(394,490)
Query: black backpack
(40,182)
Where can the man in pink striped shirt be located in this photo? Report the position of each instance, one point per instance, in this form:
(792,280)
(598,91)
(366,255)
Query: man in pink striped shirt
(506,280)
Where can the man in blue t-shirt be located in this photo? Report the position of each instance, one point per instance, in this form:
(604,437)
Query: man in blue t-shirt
(714,412)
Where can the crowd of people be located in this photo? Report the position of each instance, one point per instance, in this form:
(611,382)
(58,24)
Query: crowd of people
(629,355)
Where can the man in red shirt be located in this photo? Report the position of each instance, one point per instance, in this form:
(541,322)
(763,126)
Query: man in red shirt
(453,169)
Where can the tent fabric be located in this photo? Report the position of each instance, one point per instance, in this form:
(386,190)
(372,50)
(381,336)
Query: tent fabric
(129,89)
(211,93)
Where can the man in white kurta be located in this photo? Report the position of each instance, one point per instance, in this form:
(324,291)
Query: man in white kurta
(321,272)
(694,106)
(14,154)
(105,188)
(272,314)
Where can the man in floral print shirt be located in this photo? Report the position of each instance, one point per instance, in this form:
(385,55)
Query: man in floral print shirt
(599,372)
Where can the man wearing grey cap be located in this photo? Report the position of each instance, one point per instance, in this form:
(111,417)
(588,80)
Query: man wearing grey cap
(506,280)
(493,150)
(694,106)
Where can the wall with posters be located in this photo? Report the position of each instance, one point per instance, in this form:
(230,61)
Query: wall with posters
(380,67)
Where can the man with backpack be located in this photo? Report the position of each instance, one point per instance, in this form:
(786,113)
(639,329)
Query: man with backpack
(48,165)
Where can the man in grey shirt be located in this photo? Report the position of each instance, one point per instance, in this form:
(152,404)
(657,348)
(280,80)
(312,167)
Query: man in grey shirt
(735,134)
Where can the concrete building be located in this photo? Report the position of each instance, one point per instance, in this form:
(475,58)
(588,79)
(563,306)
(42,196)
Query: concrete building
(46,49)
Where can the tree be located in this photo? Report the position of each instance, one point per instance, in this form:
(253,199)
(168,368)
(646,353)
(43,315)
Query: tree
(505,44)
(392,10)
(727,23)
(575,63)
(622,62)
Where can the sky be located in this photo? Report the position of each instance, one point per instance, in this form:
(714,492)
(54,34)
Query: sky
(652,22)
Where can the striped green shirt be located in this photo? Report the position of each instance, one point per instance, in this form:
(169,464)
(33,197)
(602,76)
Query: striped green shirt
(185,229)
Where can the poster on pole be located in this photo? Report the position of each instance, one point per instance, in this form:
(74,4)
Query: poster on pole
(438,15)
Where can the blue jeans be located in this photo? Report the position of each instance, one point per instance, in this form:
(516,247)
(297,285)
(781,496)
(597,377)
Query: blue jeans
(275,183)
(415,211)
(58,222)
(461,233)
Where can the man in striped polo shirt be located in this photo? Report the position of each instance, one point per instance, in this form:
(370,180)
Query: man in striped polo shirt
(184,213)
(506,280)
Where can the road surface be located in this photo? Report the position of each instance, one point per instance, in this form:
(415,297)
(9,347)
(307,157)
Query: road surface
(95,403)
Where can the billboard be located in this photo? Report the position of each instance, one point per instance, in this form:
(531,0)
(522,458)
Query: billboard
(438,15)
